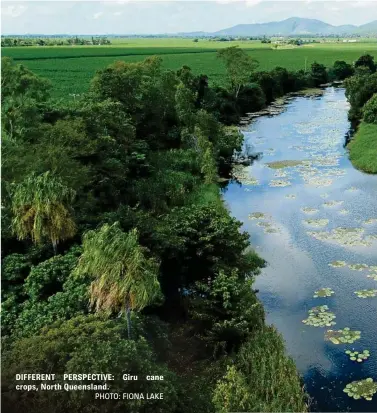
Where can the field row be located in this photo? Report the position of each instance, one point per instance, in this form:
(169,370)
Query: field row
(73,75)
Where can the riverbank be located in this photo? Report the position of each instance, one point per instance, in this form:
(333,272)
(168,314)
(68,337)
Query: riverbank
(363,148)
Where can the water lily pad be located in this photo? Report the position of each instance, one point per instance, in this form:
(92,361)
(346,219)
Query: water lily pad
(362,389)
(358,267)
(320,317)
(323,292)
(290,196)
(317,222)
(343,236)
(308,210)
(343,212)
(324,196)
(372,276)
(342,336)
(337,264)
(358,356)
(283,164)
(370,221)
(263,224)
(366,293)
(330,204)
(257,215)
(279,183)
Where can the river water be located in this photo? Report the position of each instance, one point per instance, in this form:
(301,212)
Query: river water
(306,208)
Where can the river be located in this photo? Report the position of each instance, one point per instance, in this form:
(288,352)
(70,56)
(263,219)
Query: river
(318,212)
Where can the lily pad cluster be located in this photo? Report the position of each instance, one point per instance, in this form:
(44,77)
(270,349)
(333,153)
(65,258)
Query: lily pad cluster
(358,267)
(330,204)
(317,222)
(343,212)
(324,292)
(372,276)
(279,183)
(337,264)
(257,215)
(342,336)
(308,210)
(358,356)
(290,196)
(370,221)
(362,389)
(344,236)
(366,293)
(320,317)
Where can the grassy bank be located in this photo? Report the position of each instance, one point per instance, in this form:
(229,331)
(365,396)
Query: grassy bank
(363,148)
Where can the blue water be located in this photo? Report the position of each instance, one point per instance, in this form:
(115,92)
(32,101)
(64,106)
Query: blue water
(313,129)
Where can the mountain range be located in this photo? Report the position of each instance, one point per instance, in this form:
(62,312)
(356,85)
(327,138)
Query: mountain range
(294,26)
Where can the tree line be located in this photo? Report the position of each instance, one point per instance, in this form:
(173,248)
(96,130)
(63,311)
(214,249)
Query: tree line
(9,41)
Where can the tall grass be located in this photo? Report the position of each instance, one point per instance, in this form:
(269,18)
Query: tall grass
(363,148)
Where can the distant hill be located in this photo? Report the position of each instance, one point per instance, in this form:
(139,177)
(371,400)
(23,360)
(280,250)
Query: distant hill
(294,26)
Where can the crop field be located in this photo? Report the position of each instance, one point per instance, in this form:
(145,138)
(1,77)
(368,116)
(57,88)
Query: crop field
(71,68)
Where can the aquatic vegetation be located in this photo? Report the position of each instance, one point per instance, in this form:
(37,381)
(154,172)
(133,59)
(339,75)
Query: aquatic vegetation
(257,215)
(280,174)
(283,164)
(290,196)
(324,292)
(280,183)
(337,264)
(330,204)
(362,389)
(342,336)
(317,222)
(366,293)
(358,267)
(320,317)
(344,212)
(307,210)
(372,276)
(241,173)
(324,196)
(352,189)
(263,224)
(318,182)
(357,356)
(370,221)
(271,230)
(343,236)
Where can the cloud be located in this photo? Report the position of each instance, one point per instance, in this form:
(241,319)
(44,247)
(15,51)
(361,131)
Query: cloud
(13,11)
(97,15)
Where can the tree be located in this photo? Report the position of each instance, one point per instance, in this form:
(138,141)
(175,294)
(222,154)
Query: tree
(125,279)
(239,66)
(366,60)
(41,209)
(359,89)
(319,73)
(370,110)
(341,70)
(86,344)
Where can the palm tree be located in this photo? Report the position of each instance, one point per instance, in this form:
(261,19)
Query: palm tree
(125,279)
(40,206)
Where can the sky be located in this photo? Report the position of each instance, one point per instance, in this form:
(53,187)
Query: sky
(162,17)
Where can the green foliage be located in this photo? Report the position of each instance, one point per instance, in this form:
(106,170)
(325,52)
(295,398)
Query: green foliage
(370,110)
(21,92)
(228,311)
(342,70)
(195,242)
(239,67)
(366,61)
(124,278)
(48,277)
(318,73)
(264,378)
(87,344)
(363,148)
(40,205)
(359,89)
